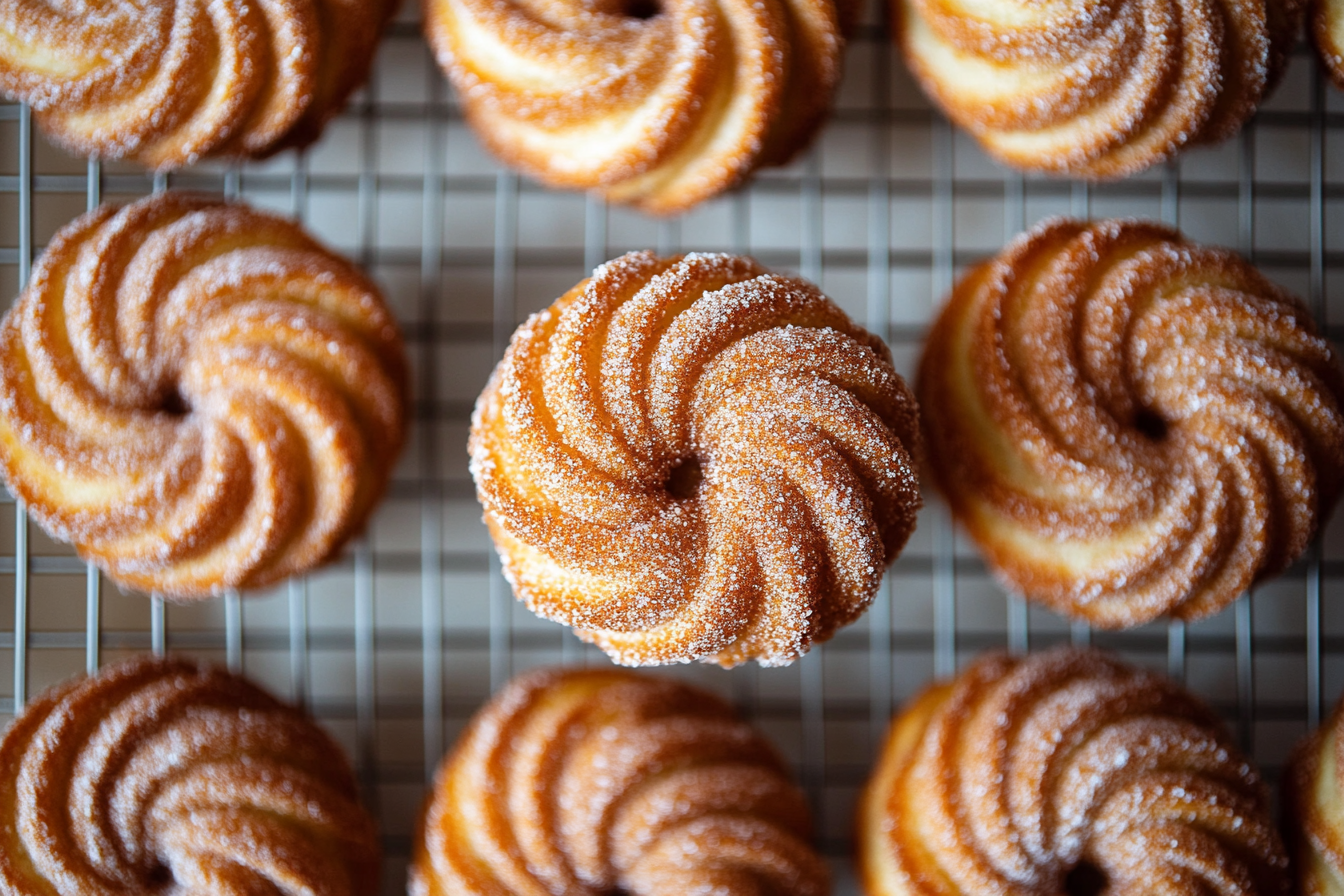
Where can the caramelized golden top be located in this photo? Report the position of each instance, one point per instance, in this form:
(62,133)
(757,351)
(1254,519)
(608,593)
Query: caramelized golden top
(165,82)
(1130,424)
(1065,772)
(580,783)
(164,776)
(693,458)
(661,106)
(198,396)
(1096,88)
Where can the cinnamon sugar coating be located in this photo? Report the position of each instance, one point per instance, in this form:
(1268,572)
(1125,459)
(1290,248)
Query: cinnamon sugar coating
(661,111)
(162,776)
(1096,88)
(167,82)
(693,458)
(588,782)
(1129,424)
(1064,772)
(198,396)
(1327,33)
(1313,808)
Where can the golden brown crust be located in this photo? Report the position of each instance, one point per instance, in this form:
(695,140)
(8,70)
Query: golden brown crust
(1021,770)
(792,414)
(1129,424)
(160,775)
(1097,88)
(585,782)
(660,112)
(1327,34)
(167,82)
(198,396)
(1313,808)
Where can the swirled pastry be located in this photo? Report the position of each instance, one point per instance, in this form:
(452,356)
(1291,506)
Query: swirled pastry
(1065,772)
(586,782)
(1130,424)
(164,776)
(166,82)
(1096,88)
(657,104)
(693,458)
(198,396)
(1312,814)
(1327,32)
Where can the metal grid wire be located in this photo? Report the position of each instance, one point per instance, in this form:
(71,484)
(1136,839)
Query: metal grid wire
(394,646)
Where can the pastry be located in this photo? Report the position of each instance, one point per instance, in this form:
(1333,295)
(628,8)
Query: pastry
(693,458)
(585,782)
(659,105)
(1065,772)
(198,396)
(1129,424)
(162,776)
(1327,32)
(166,83)
(1313,821)
(1096,88)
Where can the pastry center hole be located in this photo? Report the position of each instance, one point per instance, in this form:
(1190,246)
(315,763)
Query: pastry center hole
(175,403)
(159,878)
(642,9)
(1085,879)
(683,483)
(1151,425)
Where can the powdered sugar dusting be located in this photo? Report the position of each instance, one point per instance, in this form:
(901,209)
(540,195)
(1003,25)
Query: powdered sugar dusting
(161,775)
(590,782)
(198,396)
(786,420)
(1019,771)
(1130,424)
(1098,88)
(167,82)
(660,111)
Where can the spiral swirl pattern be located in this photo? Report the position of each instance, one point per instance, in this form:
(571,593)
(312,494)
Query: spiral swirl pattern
(1327,32)
(198,396)
(1130,424)
(163,776)
(1313,812)
(692,458)
(1066,771)
(1097,88)
(661,111)
(588,782)
(166,82)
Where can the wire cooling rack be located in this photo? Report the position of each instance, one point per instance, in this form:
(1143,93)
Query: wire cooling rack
(394,646)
